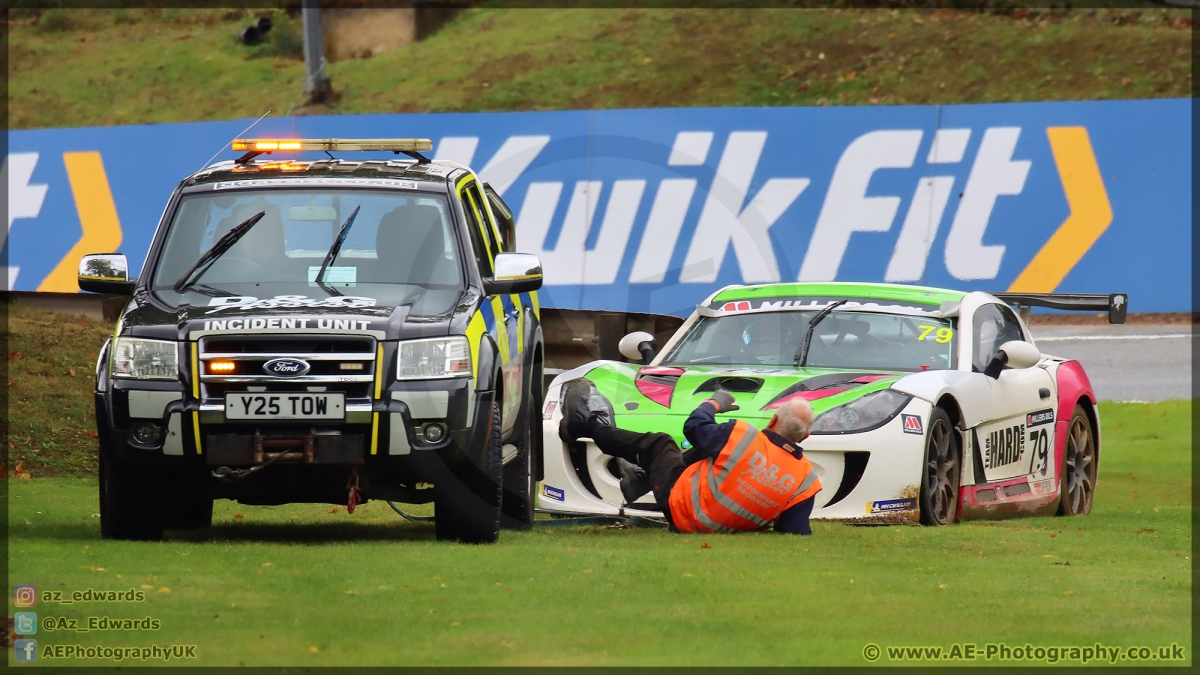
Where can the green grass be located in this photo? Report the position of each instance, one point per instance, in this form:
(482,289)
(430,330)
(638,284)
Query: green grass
(301,585)
(102,67)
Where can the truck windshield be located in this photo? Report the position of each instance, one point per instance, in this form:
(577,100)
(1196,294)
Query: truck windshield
(401,249)
(844,339)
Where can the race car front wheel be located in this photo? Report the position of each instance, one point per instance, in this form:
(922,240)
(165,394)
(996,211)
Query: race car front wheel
(1077,484)
(941,473)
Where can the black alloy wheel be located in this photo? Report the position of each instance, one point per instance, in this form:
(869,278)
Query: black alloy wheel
(1077,485)
(941,473)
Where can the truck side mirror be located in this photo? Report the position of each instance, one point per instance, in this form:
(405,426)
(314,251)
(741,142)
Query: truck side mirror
(514,273)
(105,273)
(638,346)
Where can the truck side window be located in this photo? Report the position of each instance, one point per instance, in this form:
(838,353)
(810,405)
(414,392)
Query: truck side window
(474,230)
(504,216)
(477,199)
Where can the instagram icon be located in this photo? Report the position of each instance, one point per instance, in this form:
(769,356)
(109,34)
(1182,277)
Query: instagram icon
(25,596)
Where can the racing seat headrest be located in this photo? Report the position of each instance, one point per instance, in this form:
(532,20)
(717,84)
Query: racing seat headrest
(411,246)
(264,240)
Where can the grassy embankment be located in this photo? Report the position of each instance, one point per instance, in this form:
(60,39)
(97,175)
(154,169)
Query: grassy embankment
(104,67)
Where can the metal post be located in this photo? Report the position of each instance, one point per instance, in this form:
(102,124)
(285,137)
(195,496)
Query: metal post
(316,84)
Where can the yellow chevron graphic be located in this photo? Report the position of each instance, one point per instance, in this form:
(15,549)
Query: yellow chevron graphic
(97,215)
(1090,214)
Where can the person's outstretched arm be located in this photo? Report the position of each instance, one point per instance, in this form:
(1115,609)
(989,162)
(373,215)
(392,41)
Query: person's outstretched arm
(706,435)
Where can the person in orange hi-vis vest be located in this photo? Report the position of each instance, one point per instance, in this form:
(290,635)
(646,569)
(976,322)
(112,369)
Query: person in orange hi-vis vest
(734,478)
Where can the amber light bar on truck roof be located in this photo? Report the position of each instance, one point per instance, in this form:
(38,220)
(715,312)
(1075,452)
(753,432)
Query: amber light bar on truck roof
(258,146)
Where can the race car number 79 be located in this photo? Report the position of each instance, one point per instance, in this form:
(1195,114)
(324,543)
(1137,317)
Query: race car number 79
(943,334)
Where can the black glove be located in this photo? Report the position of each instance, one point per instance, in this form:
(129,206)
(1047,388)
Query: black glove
(724,401)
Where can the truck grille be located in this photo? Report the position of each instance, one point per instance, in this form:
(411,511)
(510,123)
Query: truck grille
(337,364)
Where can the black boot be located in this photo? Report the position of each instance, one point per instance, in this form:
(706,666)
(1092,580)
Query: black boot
(634,481)
(581,404)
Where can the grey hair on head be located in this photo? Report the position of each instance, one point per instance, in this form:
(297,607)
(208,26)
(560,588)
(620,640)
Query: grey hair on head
(795,419)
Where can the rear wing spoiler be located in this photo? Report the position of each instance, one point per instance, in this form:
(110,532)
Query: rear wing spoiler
(1115,303)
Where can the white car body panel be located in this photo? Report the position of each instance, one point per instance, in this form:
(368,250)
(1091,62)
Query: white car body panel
(972,391)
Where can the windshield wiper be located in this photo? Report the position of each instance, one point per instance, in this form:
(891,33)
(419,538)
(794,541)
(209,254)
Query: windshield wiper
(802,354)
(210,290)
(218,249)
(334,250)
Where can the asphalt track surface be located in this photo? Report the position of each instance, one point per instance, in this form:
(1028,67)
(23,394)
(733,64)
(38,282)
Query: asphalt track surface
(1126,362)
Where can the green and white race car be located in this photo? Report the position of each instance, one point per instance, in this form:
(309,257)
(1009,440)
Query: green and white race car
(932,405)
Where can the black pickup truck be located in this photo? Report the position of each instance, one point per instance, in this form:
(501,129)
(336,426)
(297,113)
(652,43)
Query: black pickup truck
(326,331)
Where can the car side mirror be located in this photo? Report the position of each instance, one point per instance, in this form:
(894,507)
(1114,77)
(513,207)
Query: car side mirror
(638,346)
(105,273)
(1014,354)
(514,273)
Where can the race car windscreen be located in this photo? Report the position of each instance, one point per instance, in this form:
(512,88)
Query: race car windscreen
(841,340)
(400,248)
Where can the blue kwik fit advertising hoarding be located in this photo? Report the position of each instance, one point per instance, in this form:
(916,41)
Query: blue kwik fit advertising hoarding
(651,210)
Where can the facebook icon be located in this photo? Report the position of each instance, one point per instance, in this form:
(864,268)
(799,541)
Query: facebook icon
(25,651)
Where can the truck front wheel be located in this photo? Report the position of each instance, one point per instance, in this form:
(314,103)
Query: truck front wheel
(520,486)
(466,500)
(129,508)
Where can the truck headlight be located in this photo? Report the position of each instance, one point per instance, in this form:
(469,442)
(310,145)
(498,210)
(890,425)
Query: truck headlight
(434,358)
(139,359)
(863,414)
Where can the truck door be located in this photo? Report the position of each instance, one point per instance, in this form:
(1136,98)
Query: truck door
(506,309)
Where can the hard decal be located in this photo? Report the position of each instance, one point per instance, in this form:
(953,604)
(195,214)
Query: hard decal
(912,424)
(890,505)
(1004,446)
(554,493)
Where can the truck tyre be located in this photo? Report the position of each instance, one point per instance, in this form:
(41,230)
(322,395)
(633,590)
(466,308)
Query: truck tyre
(128,505)
(466,502)
(520,483)
(517,501)
(941,472)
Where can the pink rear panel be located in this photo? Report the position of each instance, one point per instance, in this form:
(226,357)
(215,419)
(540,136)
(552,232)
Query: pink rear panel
(1073,384)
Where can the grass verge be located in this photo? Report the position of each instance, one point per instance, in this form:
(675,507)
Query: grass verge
(309,585)
(51,375)
(103,67)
